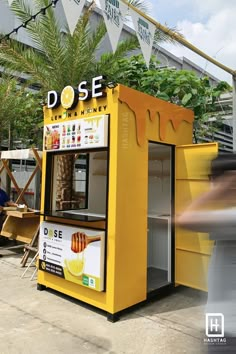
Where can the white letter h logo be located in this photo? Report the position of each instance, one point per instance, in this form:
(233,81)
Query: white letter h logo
(215,325)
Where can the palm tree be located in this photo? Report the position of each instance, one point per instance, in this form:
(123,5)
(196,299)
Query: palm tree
(17,102)
(59,58)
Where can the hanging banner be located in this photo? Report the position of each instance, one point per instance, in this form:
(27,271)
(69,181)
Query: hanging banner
(145,31)
(73,9)
(114,12)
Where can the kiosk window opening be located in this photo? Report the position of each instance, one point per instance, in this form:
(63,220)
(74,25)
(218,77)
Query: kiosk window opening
(70,181)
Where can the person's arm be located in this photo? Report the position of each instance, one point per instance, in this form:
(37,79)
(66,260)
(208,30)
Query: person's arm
(208,220)
(6,204)
(196,219)
(10,203)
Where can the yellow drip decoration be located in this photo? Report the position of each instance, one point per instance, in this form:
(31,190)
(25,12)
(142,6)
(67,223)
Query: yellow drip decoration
(166,111)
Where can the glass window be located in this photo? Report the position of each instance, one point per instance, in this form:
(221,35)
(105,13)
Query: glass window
(70,181)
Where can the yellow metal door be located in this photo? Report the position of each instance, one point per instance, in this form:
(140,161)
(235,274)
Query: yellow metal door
(192,249)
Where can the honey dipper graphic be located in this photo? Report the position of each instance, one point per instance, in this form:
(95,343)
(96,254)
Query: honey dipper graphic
(79,241)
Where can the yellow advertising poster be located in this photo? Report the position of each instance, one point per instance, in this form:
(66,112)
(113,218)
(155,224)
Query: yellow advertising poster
(72,253)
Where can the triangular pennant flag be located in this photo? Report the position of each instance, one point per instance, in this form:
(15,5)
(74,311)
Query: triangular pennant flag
(145,31)
(73,9)
(114,12)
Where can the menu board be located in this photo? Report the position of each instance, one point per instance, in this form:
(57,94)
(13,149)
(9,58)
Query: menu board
(73,253)
(83,133)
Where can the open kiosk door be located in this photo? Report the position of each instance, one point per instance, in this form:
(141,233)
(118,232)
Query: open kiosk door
(192,249)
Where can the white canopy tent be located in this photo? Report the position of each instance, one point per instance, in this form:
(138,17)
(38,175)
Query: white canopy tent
(21,155)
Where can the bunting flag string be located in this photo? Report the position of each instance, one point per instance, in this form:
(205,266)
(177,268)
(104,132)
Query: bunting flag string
(42,11)
(73,10)
(114,12)
(145,31)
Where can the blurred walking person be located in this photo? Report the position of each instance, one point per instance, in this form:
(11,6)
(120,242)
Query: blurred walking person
(220,223)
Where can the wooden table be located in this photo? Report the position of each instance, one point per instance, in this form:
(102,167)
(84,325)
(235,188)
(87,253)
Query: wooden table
(20,226)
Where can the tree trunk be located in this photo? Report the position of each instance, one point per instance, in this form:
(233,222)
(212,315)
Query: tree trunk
(64,193)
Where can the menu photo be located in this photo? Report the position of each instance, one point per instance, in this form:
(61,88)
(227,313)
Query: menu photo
(81,133)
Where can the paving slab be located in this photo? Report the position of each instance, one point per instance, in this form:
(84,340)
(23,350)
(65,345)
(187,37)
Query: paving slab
(51,323)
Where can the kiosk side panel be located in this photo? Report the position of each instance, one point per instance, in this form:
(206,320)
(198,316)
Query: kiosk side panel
(193,249)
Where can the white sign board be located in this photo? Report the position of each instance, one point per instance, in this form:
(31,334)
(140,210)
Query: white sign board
(73,253)
(86,133)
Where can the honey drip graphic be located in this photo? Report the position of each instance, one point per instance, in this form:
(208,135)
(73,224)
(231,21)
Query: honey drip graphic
(80,241)
(140,105)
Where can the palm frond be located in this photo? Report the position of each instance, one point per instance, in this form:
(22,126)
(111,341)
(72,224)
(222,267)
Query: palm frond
(167,37)
(58,59)
(24,12)
(92,46)
(45,34)
(81,47)
(124,48)
(17,58)
(142,5)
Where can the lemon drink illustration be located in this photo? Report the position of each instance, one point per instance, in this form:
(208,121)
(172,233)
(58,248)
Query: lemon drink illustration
(75,266)
(79,241)
(48,139)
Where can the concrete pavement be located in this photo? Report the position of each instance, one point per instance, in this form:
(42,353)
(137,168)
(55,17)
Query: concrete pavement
(33,322)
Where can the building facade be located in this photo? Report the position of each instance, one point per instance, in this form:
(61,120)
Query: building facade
(224,135)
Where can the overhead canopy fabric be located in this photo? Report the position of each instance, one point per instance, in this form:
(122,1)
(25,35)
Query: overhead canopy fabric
(19,154)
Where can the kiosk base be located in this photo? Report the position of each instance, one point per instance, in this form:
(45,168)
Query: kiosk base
(41,287)
(113,317)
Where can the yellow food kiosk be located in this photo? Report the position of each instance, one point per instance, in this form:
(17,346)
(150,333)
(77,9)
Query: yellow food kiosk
(118,164)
